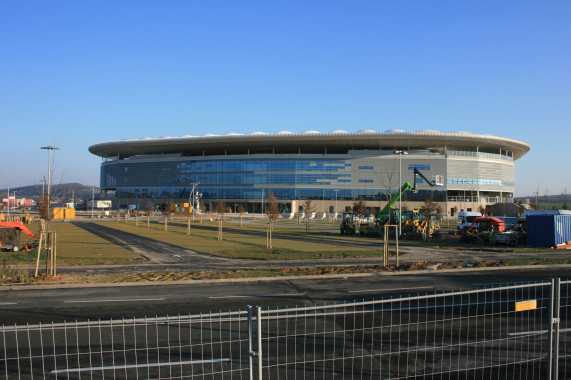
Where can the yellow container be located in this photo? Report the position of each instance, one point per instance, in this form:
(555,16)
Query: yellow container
(70,213)
(59,213)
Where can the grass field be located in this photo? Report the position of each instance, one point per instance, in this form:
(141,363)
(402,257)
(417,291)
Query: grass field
(75,246)
(237,245)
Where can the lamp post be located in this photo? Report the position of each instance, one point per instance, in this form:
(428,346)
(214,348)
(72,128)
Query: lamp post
(15,202)
(400,153)
(8,203)
(49,148)
(262,203)
(336,191)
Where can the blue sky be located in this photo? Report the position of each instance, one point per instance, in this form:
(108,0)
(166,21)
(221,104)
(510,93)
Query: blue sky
(77,73)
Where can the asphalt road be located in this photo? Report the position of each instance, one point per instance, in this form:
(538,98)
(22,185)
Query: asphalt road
(69,303)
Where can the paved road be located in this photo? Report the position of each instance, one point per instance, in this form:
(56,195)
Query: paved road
(47,304)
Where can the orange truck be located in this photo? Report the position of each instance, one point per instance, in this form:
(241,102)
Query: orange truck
(10,237)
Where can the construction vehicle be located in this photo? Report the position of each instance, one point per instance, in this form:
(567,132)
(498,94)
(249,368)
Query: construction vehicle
(348,225)
(487,224)
(415,223)
(351,225)
(10,237)
(483,230)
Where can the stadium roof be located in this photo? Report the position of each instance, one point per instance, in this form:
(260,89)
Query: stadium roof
(285,142)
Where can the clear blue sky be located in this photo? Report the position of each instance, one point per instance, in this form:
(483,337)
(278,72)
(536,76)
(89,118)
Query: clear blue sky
(77,73)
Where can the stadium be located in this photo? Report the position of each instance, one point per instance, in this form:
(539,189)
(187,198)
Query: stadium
(333,169)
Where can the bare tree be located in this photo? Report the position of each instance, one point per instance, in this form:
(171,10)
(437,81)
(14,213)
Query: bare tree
(241,211)
(308,209)
(389,181)
(430,207)
(360,208)
(149,211)
(220,209)
(273,213)
(45,214)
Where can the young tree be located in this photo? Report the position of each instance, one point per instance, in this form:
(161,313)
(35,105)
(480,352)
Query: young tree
(308,209)
(45,214)
(241,211)
(430,207)
(149,211)
(390,180)
(360,208)
(273,213)
(220,210)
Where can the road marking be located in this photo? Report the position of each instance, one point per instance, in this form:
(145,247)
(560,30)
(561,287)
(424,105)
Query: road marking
(8,303)
(388,290)
(537,332)
(127,366)
(179,256)
(259,295)
(123,300)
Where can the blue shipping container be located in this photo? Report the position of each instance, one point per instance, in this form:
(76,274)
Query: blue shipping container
(548,230)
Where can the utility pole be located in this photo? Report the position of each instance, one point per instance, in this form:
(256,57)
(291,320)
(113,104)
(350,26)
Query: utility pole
(400,153)
(336,191)
(92,200)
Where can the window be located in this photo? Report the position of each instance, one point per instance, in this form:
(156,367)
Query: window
(366,167)
(366,180)
(419,166)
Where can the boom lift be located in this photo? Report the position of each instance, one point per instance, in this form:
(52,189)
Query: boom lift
(383,216)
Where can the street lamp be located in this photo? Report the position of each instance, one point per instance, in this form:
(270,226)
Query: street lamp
(49,148)
(400,153)
(336,191)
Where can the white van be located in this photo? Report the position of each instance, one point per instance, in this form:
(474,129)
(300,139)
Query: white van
(466,218)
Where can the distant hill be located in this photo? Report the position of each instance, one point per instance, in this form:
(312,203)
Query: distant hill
(63,192)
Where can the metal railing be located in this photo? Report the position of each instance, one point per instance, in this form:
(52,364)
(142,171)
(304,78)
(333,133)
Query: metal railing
(517,330)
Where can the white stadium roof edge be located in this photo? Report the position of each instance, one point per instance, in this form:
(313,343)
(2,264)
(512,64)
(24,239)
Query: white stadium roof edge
(309,142)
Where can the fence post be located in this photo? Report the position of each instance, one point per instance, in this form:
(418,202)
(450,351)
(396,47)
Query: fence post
(553,329)
(250,339)
(556,321)
(259,322)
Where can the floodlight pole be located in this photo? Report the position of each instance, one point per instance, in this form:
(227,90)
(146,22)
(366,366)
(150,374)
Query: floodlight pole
(336,191)
(400,153)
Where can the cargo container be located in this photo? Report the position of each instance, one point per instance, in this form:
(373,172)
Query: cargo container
(548,230)
(63,213)
(58,213)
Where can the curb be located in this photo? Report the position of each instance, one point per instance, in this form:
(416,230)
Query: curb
(276,278)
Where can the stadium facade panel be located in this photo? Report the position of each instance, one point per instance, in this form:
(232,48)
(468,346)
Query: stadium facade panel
(334,169)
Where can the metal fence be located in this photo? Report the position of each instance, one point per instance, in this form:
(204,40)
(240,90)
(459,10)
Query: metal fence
(517,331)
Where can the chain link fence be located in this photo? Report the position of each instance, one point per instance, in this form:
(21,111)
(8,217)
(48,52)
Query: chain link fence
(515,331)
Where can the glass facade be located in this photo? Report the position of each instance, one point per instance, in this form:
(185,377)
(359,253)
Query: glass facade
(294,179)
(480,181)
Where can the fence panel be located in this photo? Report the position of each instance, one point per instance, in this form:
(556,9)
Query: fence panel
(518,331)
(483,334)
(204,347)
